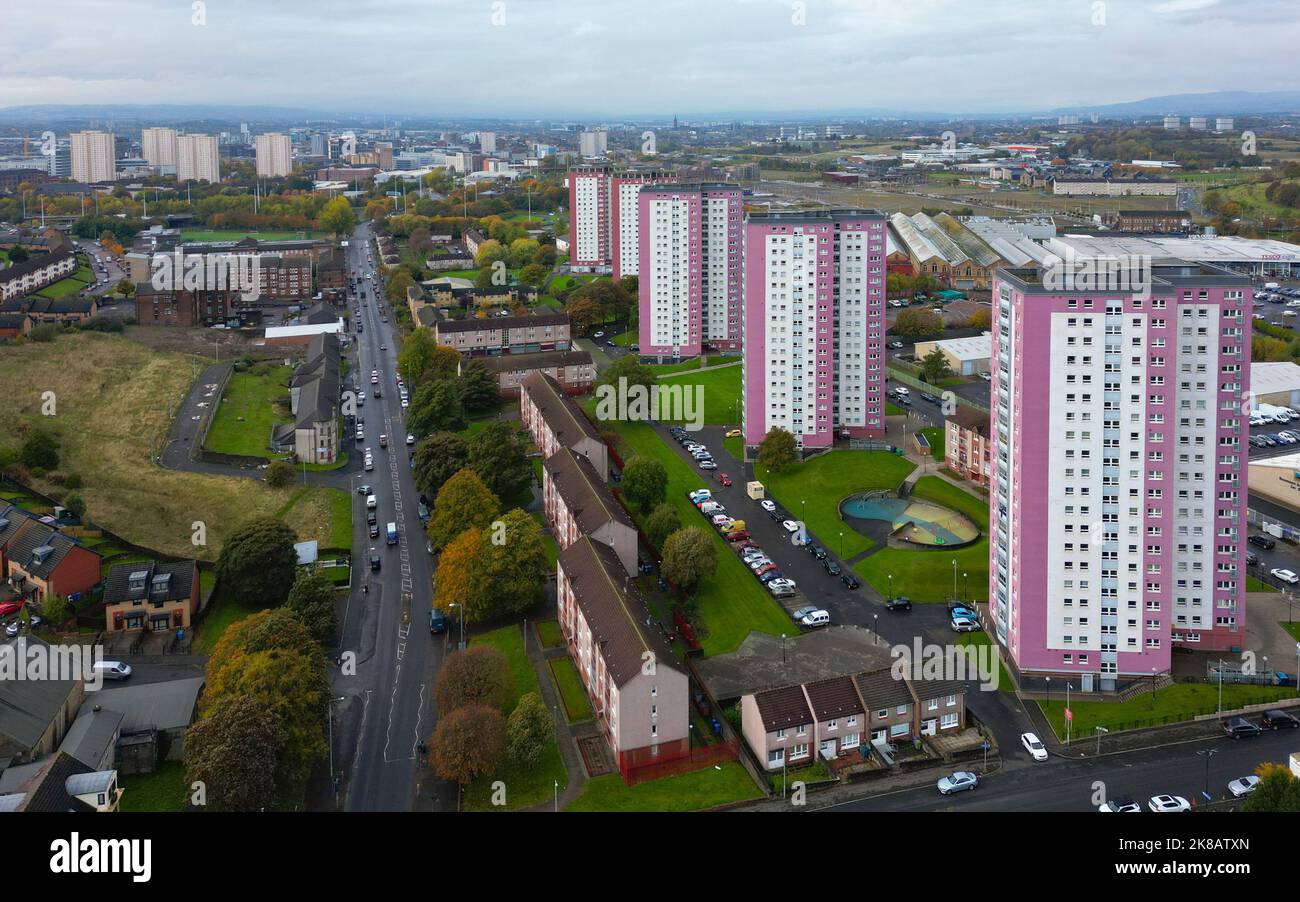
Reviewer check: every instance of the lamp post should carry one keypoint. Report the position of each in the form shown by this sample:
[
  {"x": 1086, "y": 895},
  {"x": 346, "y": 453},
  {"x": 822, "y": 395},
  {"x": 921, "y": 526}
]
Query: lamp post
[
  {"x": 954, "y": 577},
  {"x": 841, "y": 543},
  {"x": 1219, "y": 710},
  {"x": 965, "y": 586},
  {"x": 1207, "y": 754},
  {"x": 1153, "y": 684},
  {"x": 1049, "y": 691},
  {"x": 1100, "y": 730},
  {"x": 876, "y": 627},
  {"x": 460, "y": 646}
]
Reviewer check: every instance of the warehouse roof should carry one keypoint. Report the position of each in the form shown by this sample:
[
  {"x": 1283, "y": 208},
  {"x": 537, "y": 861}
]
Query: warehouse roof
[{"x": 1271, "y": 378}]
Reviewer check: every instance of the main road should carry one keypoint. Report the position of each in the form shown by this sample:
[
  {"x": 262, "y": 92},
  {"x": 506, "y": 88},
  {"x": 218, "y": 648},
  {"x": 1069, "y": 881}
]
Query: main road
[{"x": 389, "y": 698}]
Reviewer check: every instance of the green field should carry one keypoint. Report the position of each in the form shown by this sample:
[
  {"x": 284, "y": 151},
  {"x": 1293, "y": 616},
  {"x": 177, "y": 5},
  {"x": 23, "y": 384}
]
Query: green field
[
  {"x": 576, "y": 707},
  {"x": 927, "y": 576},
  {"x": 525, "y": 786},
  {"x": 936, "y": 436},
  {"x": 699, "y": 789},
  {"x": 824, "y": 481},
  {"x": 162, "y": 790},
  {"x": 1173, "y": 704},
  {"x": 721, "y": 397},
  {"x": 731, "y": 603},
  {"x": 247, "y": 414}
]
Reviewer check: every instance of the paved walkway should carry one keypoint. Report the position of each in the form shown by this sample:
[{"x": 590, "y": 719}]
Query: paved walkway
[
  {"x": 700, "y": 369},
  {"x": 565, "y": 737}
]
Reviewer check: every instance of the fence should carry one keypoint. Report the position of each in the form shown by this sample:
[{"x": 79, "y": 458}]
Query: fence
[
  {"x": 1275, "y": 529},
  {"x": 921, "y": 385}
]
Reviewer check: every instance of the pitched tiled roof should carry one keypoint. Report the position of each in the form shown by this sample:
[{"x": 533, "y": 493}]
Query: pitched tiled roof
[
  {"x": 178, "y": 585},
  {"x": 927, "y": 689},
  {"x": 511, "y": 363},
  {"x": 972, "y": 420},
  {"x": 561, "y": 412},
  {"x": 28, "y": 707},
  {"x": 781, "y": 709},
  {"x": 35, "y": 263},
  {"x": 470, "y": 324},
  {"x": 584, "y": 493},
  {"x": 35, "y": 535},
  {"x": 879, "y": 689},
  {"x": 833, "y": 698},
  {"x": 621, "y": 624}
]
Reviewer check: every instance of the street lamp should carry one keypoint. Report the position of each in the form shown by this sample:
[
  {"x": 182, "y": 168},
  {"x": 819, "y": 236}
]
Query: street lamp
[
  {"x": 965, "y": 586},
  {"x": 460, "y": 646},
  {"x": 1207, "y": 754},
  {"x": 841, "y": 543},
  {"x": 1049, "y": 691},
  {"x": 876, "y": 627},
  {"x": 954, "y": 577},
  {"x": 1100, "y": 730},
  {"x": 1153, "y": 684}
]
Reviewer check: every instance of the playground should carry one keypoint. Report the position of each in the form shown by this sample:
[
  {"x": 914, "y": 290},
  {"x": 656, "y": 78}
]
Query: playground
[{"x": 913, "y": 522}]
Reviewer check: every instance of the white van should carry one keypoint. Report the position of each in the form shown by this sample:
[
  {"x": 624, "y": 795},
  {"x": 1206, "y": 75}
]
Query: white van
[
  {"x": 392, "y": 533},
  {"x": 112, "y": 670},
  {"x": 371, "y": 502},
  {"x": 1271, "y": 286}
]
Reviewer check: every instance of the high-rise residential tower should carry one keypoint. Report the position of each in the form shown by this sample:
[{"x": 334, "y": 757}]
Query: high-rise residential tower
[
  {"x": 690, "y": 268},
  {"x": 813, "y": 325},
  {"x": 197, "y": 159},
  {"x": 1118, "y": 491},
  {"x": 159, "y": 147},
  {"x": 274, "y": 155},
  {"x": 603, "y": 218},
  {"x": 94, "y": 156}
]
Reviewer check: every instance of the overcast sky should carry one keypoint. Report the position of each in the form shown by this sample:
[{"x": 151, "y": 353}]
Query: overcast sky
[{"x": 624, "y": 58}]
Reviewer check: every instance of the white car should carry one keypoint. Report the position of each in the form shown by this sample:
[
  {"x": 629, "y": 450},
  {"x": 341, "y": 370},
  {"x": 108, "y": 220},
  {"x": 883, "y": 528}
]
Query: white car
[
  {"x": 782, "y": 583},
  {"x": 708, "y": 465},
  {"x": 597, "y": 334},
  {"x": 1168, "y": 803},
  {"x": 816, "y": 619},
  {"x": 1243, "y": 786},
  {"x": 961, "y": 780},
  {"x": 964, "y": 625},
  {"x": 767, "y": 504},
  {"x": 1287, "y": 576},
  {"x": 790, "y": 526},
  {"x": 1122, "y": 805},
  {"x": 700, "y": 495},
  {"x": 1034, "y": 746},
  {"x": 721, "y": 520},
  {"x": 410, "y": 438}
]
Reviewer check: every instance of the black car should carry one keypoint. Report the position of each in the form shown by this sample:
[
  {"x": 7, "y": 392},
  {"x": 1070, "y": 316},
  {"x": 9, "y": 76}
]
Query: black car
[
  {"x": 850, "y": 580},
  {"x": 816, "y": 551},
  {"x": 899, "y": 603},
  {"x": 831, "y": 567},
  {"x": 374, "y": 530},
  {"x": 647, "y": 563},
  {"x": 1262, "y": 542},
  {"x": 374, "y": 559},
  {"x": 1241, "y": 728},
  {"x": 1251, "y": 559},
  {"x": 1277, "y": 719},
  {"x": 371, "y": 518},
  {"x": 775, "y": 515},
  {"x": 437, "y": 621}
]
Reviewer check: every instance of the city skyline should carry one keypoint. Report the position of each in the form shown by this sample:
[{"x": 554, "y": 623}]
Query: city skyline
[{"x": 678, "y": 57}]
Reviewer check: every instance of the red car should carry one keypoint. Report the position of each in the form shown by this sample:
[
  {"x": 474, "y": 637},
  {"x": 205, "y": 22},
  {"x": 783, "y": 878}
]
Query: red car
[
  {"x": 738, "y": 536},
  {"x": 10, "y": 607},
  {"x": 766, "y": 568},
  {"x": 724, "y": 479}
]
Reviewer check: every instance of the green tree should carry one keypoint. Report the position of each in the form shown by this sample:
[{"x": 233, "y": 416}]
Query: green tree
[
  {"x": 312, "y": 600},
  {"x": 45, "y": 332},
  {"x": 468, "y": 743},
  {"x": 584, "y": 313},
  {"x": 436, "y": 407},
  {"x": 278, "y": 474},
  {"x": 690, "y": 554},
  {"x": 533, "y": 274},
  {"x": 40, "y": 449},
  {"x": 479, "y": 675},
  {"x": 56, "y": 609},
  {"x": 514, "y": 567},
  {"x": 497, "y": 455},
  {"x": 462, "y": 502},
  {"x": 915, "y": 323},
  {"x": 257, "y": 564},
  {"x": 489, "y": 252},
  {"x": 76, "y": 505},
  {"x": 645, "y": 482},
  {"x": 528, "y": 730},
  {"x": 630, "y": 368},
  {"x": 777, "y": 451},
  {"x": 337, "y": 216},
  {"x": 437, "y": 457},
  {"x": 232, "y": 753},
  {"x": 1278, "y": 790},
  {"x": 478, "y": 387},
  {"x": 662, "y": 522},
  {"x": 417, "y": 355},
  {"x": 934, "y": 367}
]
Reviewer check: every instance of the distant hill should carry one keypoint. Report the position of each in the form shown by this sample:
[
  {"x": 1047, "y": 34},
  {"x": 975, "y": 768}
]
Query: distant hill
[{"x": 1214, "y": 103}]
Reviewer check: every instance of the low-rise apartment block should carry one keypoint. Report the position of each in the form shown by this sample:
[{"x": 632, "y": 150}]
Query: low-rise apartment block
[
  {"x": 578, "y": 503},
  {"x": 555, "y": 421}
]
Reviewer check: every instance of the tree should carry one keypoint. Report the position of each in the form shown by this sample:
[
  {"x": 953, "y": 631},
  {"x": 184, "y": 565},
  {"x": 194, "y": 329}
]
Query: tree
[
  {"x": 56, "y": 609},
  {"x": 916, "y": 323},
  {"x": 934, "y": 366},
  {"x": 468, "y": 743},
  {"x": 232, "y": 753},
  {"x": 437, "y": 457},
  {"x": 271, "y": 657},
  {"x": 528, "y": 730},
  {"x": 584, "y": 313},
  {"x": 436, "y": 407},
  {"x": 415, "y": 359},
  {"x": 645, "y": 482},
  {"x": 312, "y": 600},
  {"x": 497, "y": 455},
  {"x": 1278, "y": 790},
  {"x": 463, "y": 502},
  {"x": 478, "y": 387},
  {"x": 40, "y": 449},
  {"x": 76, "y": 505},
  {"x": 514, "y": 568},
  {"x": 486, "y": 278},
  {"x": 489, "y": 252},
  {"x": 533, "y": 274},
  {"x": 981, "y": 319},
  {"x": 126, "y": 288},
  {"x": 628, "y": 367},
  {"x": 258, "y": 565},
  {"x": 396, "y": 284},
  {"x": 337, "y": 216},
  {"x": 279, "y": 473},
  {"x": 479, "y": 675},
  {"x": 690, "y": 554},
  {"x": 777, "y": 451},
  {"x": 461, "y": 574},
  {"x": 662, "y": 522}
]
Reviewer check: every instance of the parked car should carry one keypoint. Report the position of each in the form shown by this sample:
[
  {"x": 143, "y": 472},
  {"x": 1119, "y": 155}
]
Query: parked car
[
  {"x": 113, "y": 670},
  {"x": 898, "y": 603},
  {"x": 724, "y": 479},
  {"x": 737, "y": 535},
  {"x": 1243, "y": 786},
  {"x": 1286, "y": 576},
  {"x": 779, "y": 589},
  {"x": 831, "y": 567},
  {"x": 767, "y": 504},
  {"x": 437, "y": 621},
  {"x": 957, "y": 782},
  {"x": 1123, "y": 805},
  {"x": 816, "y": 551},
  {"x": 770, "y": 575},
  {"x": 850, "y": 581},
  {"x": 1277, "y": 719},
  {"x": 1260, "y": 541},
  {"x": 708, "y": 465},
  {"x": 803, "y": 612},
  {"x": 816, "y": 619},
  {"x": 1034, "y": 746},
  {"x": 964, "y": 625},
  {"x": 1168, "y": 803},
  {"x": 1240, "y": 728},
  {"x": 789, "y": 526},
  {"x": 11, "y": 607},
  {"x": 734, "y": 433}
]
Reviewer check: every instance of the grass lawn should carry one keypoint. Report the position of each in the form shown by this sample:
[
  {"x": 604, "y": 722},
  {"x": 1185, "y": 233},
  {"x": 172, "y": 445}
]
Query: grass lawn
[
  {"x": 731, "y": 603},
  {"x": 926, "y": 576},
  {"x": 340, "y": 503},
  {"x": 667, "y": 369},
  {"x": 893, "y": 410},
  {"x": 735, "y": 446},
  {"x": 247, "y": 413},
  {"x": 525, "y": 786},
  {"x": 576, "y": 707},
  {"x": 721, "y": 393},
  {"x": 221, "y": 613},
  {"x": 624, "y": 339},
  {"x": 825, "y": 481},
  {"x": 162, "y": 790},
  {"x": 549, "y": 631},
  {"x": 1179, "y": 702},
  {"x": 981, "y": 638},
  {"x": 62, "y": 288},
  {"x": 114, "y": 399},
  {"x": 936, "y": 436},
  {"x": 1293, "y": 628},
  {"x": 686, "y": 792},
  {"x": 1254, "y": 584},
  {"x": 552, "y": 546}
]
